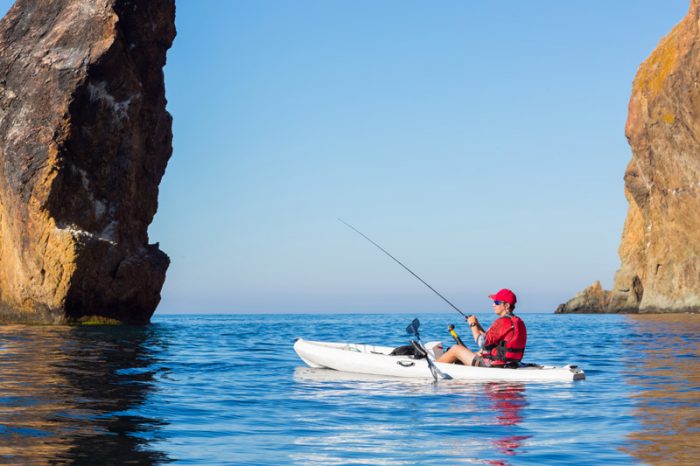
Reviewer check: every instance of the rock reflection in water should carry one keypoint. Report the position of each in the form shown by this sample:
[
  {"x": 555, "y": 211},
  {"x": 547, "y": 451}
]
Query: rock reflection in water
[
  {"x": 66, "y": 393},
  {"x": 668, "y": 382}
]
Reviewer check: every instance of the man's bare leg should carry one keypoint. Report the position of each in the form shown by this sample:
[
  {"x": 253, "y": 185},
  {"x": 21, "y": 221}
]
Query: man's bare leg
[{"x": 458, "y": 352}]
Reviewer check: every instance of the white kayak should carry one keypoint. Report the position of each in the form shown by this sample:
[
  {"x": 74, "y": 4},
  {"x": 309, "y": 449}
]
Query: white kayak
[{"x": 376, "y": 360}]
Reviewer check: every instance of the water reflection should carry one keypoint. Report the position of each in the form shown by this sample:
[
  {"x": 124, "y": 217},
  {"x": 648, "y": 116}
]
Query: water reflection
[
  {"x": 507, "y": 403},
  {"x": 66, "y": 392},
  {"x": 448, "y": 419},
  {"x": 667, "y": 399}
]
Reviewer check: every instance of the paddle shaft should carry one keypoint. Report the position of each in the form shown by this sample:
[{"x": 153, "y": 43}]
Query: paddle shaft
[
  {"x": 437, "y": 373},
  {"x": 402, "y": 265},
  {"x": 412, "y": 329}
]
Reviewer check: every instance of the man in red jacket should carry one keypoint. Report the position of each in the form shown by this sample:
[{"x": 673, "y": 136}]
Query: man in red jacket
[{"x": 504, "y": 343}]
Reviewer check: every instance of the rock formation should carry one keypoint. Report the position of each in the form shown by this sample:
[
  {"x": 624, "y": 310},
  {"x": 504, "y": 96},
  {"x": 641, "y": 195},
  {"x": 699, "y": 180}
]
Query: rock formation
[
  {"x": 85, "y": 139},
  {"x": 660, "y": 249}
]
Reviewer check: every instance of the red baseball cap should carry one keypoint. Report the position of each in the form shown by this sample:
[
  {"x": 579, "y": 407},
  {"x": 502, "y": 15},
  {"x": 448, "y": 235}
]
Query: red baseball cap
[{"x": 504, "y": 295}]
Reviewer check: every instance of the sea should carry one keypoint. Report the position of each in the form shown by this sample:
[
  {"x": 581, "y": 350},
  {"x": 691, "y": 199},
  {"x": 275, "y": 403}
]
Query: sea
[{"x": 229, "y": 389}]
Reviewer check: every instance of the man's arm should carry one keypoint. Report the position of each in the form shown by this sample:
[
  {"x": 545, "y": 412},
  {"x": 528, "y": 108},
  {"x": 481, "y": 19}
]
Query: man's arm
[{"x": 477, "y": 331}]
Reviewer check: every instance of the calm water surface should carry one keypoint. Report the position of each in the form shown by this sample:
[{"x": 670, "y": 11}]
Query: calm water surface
[{"x": 230, "y": 390}]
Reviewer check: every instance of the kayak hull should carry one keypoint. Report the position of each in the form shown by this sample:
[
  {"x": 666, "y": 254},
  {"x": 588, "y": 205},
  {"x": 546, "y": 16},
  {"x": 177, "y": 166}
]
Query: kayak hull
[{"x": 375, "y": 360}]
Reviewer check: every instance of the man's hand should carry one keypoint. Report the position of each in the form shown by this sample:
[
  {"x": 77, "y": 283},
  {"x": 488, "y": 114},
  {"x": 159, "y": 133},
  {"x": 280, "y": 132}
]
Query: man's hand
[{"x": 472, "y": 321}]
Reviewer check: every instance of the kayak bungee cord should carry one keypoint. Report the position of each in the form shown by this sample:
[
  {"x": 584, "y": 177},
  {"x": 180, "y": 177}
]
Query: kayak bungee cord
[{"x": 402, "y": 265}]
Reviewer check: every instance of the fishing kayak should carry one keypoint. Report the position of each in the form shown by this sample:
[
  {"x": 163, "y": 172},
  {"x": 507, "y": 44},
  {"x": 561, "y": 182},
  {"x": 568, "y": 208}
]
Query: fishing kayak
[{"x": 377, "y": 360}]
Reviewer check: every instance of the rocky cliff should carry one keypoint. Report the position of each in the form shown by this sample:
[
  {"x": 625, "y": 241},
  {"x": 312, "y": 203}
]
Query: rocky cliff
[
  {"x": 85, "y": 139},
  {"x": 660, "y": 249}
]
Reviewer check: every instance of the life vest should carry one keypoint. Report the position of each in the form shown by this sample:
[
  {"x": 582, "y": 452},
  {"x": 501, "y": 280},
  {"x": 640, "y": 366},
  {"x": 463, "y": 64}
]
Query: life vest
[{"x": 510, "y": 348}]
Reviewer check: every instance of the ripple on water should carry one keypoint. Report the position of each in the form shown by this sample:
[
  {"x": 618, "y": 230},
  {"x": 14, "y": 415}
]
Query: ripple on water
[{"x": 230, "y": 390}]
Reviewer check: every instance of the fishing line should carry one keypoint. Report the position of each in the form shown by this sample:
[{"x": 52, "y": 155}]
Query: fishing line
[{"x": 402, "y": 265}]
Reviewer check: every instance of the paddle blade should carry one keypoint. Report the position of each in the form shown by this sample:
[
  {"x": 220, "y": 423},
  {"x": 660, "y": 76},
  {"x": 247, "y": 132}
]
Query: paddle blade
[
  {"x": 437, "y": 373},
  {"x": 412, "y": 328}
]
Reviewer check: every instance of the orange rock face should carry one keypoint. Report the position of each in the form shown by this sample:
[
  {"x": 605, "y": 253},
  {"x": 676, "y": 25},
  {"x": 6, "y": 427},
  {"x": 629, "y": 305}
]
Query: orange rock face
[
  {"x": 660, "y": 249},
  {"x": 85, "y": 142}
]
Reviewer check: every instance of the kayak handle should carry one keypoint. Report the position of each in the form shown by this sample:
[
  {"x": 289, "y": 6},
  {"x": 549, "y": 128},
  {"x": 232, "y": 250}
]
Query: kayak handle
[{"x": 458, "y": 340}]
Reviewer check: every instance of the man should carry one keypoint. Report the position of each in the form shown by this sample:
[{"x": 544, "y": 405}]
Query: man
[{"x": 504, "y": 343}]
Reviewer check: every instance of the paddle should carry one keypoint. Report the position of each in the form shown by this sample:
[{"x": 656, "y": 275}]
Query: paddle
[{"x": 412, "y": 329}]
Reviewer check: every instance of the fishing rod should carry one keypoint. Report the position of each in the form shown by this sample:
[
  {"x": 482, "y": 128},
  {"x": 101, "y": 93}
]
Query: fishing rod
[
  {"x": 402, "y": 265},
  {"x": 451, "y": 329}
]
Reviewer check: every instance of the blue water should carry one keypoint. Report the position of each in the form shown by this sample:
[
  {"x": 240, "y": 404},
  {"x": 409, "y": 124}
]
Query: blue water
[{"x": 229, "y": 389}]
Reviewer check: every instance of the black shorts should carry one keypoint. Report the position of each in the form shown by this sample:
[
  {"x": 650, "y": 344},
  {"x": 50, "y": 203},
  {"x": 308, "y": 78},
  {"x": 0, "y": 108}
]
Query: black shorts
[{"x": 479, "y": 361}]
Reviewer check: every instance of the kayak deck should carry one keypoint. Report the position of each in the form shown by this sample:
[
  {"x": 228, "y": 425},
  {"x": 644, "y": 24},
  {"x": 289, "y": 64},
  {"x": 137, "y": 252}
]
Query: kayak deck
[{"x": 376, "y": 360}]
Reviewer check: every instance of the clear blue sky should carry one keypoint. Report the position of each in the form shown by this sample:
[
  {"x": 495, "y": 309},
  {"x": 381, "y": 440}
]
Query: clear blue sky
[{"x": 482, "y": 143}]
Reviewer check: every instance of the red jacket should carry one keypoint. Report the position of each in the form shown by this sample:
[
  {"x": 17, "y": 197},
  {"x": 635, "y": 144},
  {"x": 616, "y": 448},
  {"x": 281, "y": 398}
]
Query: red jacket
[{"x": 505, "y": 340}]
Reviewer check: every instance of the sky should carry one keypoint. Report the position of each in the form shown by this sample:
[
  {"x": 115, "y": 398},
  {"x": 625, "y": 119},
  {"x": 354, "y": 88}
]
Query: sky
[{"x": 481, "y": 143}]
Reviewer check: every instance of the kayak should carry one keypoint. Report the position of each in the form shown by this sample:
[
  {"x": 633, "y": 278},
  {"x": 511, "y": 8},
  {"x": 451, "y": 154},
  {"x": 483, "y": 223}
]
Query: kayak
[{"x": 377, "y": 360}]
